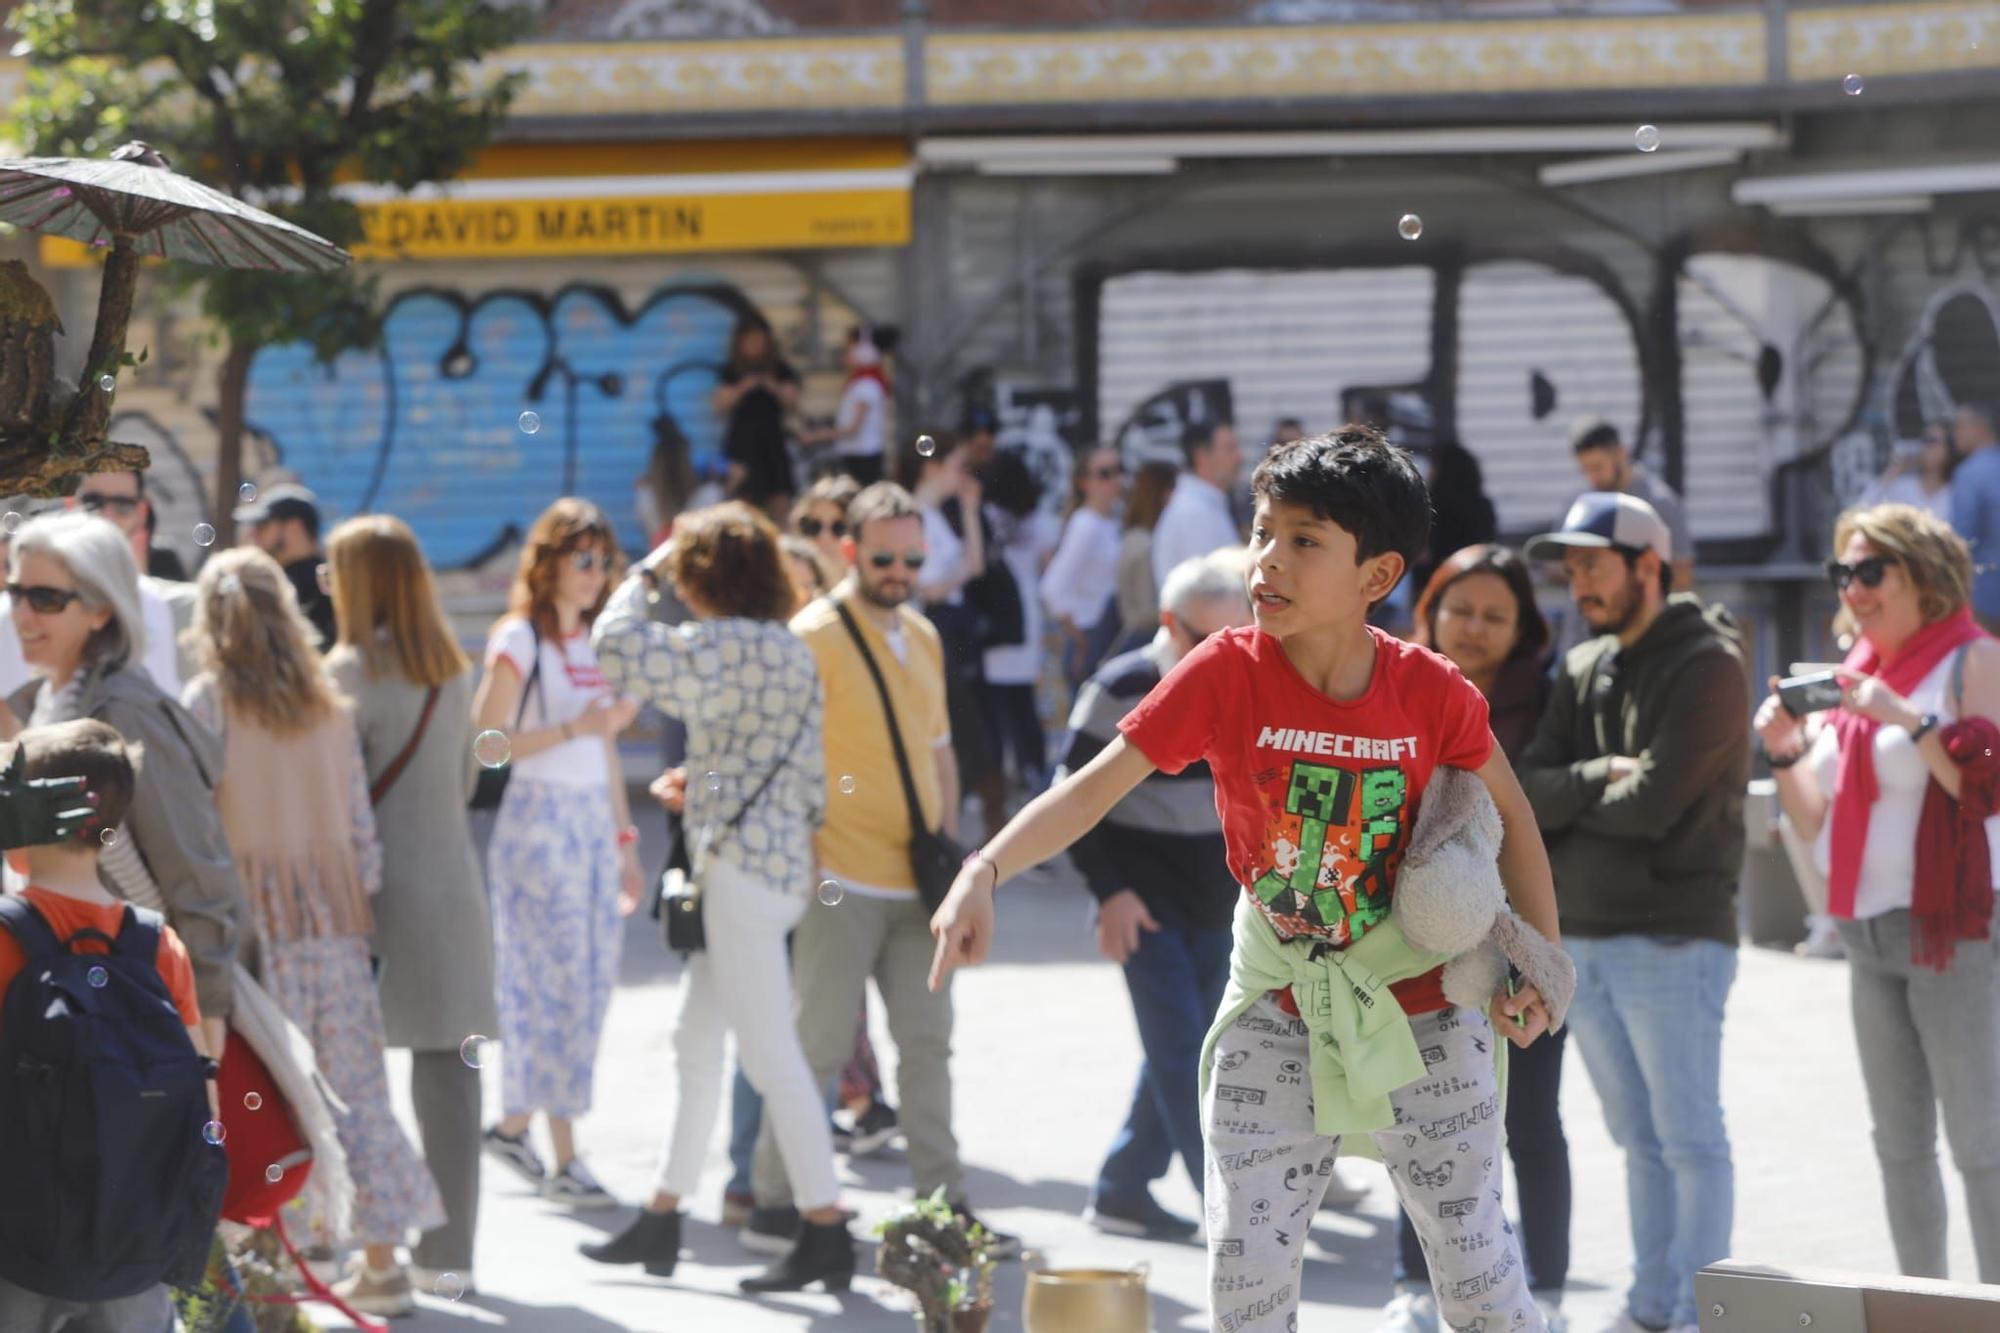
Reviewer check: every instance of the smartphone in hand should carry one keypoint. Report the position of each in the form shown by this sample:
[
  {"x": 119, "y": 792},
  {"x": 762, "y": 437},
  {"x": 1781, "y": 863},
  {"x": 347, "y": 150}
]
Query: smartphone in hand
[{"x": 1814, "y": 693}]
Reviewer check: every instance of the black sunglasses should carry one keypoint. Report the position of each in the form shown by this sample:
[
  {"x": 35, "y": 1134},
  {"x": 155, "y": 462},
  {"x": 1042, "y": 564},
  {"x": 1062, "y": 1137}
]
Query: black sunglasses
[
  {"x": 884, "y": 559},
  {"x": 43, "y": 599},
  {"x": 812, "y": 527},
  {"x": 1868, "y": 573},
  {"x": 117, "y": 504}
]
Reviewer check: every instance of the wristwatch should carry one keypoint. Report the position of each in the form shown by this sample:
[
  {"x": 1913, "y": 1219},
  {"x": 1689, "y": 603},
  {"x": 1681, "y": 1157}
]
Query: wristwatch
[{"x": 1923, "y": 727}]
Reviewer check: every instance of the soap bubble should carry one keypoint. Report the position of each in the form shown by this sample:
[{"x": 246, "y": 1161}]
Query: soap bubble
[
  {"x": 530, "y": 422},
  {"x": 253, "y": 1101},
  {"x": 831, "y": 891},
  {"x": 109, "y": 837},
  {"x": 491, "y": 749},
  {"x": 926, "y": 446},
  {"x": 106, "y": 383},
  {"x": 450, "y": 1286},
  {"x": 204, "y": 535},
  {"x": 247, "y": 492},
  {"x": 474, "y": 1050},
  {"x": 1646, "y": 138},
  {"x": 274, "y": 1173},
  {"x": 713, "y": 781},
  {"x": 1409, "y": 226},
  {"x": 10, "y": 522},
  {"x": 847, "y": 784},
  {"x": 98, "y": 978},
  {"x": 1852, "y": 85},
  {"x": 213, "y": 1133}
]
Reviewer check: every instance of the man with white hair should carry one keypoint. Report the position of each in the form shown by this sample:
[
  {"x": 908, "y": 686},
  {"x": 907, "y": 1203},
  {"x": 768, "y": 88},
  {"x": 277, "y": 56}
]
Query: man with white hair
[{"x": 1160, "y": 873}]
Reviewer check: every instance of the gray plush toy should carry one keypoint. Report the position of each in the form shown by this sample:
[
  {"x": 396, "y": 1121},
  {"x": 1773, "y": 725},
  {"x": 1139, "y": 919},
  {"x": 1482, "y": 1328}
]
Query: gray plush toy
[{"x": 1449, "y": 899}]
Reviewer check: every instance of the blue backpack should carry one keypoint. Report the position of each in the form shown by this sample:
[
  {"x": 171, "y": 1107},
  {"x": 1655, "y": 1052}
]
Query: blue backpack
[{"x": 111, "y": 1186}]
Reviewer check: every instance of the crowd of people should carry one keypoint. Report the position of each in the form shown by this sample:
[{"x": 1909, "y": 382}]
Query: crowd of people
[{"x": 1335, "y": 862}]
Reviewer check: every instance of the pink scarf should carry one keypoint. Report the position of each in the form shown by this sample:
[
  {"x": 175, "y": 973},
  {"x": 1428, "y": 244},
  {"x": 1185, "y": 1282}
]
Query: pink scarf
[{"x": 1854, "y": 786}]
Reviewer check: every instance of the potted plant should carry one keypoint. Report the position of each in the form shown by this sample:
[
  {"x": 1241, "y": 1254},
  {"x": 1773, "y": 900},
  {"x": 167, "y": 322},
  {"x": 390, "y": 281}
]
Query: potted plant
[{"x": 942, "y": 1260}]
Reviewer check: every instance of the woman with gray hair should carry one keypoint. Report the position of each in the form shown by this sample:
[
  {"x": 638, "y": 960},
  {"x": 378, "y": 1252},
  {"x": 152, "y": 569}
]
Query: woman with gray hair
[{"x": 74, "y": 590}]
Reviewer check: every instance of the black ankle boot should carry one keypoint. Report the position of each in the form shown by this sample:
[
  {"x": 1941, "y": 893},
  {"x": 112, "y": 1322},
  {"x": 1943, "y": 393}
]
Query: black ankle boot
[
  {"x": 651, "y": 1239},
  {"x": 824, "y": 1253}
]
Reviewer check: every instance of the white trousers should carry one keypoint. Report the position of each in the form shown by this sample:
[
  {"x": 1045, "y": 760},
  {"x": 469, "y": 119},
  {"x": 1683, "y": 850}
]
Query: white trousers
[{"x": 742, "y": 984}]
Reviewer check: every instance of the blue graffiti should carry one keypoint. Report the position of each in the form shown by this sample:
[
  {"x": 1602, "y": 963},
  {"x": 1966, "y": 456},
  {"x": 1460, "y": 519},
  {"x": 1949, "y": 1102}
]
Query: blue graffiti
[{"x": 429, "y": 426}]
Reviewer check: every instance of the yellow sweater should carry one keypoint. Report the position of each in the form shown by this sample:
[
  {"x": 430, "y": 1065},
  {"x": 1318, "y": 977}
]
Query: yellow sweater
[{"x": 866, "y": 837}]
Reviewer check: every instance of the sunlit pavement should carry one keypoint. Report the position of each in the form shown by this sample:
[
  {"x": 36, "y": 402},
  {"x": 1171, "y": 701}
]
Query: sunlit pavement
[{"x": 1046, "y": 1052}]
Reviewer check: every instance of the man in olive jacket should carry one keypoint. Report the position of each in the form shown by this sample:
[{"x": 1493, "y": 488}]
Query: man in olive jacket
[{"x": 1637, "y": 775}]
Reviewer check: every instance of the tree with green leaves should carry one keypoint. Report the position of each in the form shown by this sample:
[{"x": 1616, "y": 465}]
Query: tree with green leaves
[{"x": 278, "y": 103}]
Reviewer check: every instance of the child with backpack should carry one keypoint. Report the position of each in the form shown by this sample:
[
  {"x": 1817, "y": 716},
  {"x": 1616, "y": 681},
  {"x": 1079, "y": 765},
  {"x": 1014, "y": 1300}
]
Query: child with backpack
[
  {"x": 109, "y": 1139},
  {"x": 1344, "y": 1026}
]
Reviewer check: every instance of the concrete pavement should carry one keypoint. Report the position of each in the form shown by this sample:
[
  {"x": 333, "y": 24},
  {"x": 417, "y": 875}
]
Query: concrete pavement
[{"x": 1046, "y": 1054}]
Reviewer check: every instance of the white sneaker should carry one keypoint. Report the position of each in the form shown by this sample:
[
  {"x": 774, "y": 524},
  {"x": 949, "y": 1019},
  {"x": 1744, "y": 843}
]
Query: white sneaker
[
  {"x": 1410, "y": 1312},
  {"x": 1552, "y": 1315},
  {"x": 574, "y": 1187}
]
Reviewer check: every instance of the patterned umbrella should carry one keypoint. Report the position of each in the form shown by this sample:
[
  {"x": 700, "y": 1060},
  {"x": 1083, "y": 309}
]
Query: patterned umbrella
[
  {"x": 134, "y": 207},
  {"x": 133, "y": 198}
]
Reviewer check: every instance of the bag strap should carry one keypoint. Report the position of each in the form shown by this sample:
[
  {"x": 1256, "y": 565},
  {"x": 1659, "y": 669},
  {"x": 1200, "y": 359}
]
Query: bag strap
[
  {"x": 797, "y": 734},
  {"x": 1958, "y": 680},
  {"x": 534, "y": 680},
  {"x": 19, "y": 917},
  {"x": 139, "y": 935},
  {"x": 917, "y": 820},
  {"x": 388, "y": 776}
]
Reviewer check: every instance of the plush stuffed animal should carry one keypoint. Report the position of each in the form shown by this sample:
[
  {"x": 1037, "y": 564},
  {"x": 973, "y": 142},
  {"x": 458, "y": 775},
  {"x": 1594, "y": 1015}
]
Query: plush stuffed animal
[{"x": 1449, "y": 899}]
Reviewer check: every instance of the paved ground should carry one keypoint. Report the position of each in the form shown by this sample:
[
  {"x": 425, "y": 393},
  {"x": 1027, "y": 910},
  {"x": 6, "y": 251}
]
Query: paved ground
[{"x": 1045, "y": 1054}]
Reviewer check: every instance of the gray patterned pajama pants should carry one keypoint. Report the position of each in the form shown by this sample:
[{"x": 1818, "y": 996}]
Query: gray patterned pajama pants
[{"x": 1267, "y": 1170}]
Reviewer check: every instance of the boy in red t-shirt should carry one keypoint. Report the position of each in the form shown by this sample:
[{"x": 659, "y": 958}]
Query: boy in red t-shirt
[
  {"x": 64, "y": 888},
  {"x": 1322, "y": 734}
]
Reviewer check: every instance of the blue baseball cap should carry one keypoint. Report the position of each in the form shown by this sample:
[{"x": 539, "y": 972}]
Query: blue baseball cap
[{"x": 1606, "y": 518}]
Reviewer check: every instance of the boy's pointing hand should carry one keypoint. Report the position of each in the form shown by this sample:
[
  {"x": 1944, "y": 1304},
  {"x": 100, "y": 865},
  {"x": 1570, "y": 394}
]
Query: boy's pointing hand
[{"x": 963, "y": 924}]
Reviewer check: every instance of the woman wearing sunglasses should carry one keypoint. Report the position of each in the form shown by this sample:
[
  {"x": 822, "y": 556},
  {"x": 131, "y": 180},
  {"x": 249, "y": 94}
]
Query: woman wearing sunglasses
[
  {"x": 74, "y": 597},
  {"x": 821, "y": 515},
  {"x": 563, "y": 864},
  {"x": 1080, "y": 586},
  {"x": 1896, "y": 790}
]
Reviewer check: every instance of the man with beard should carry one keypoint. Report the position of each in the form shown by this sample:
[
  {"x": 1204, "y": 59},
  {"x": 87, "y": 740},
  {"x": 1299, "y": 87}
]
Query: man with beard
[
  {"x": 867, "y": 919},
  {"x": 1637, "y": 774}
]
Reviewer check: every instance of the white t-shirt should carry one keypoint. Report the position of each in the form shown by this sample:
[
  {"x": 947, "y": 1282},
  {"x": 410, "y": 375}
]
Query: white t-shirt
[
  {"x": 944, "y": 558},
  {"x": 866, "y": 442},
  {"x": 1196, "y": 522},
  {"x": 1027, "y": 540},
  {"x": 1082, "y": 579},
  {"x": 568, "y": 685}
]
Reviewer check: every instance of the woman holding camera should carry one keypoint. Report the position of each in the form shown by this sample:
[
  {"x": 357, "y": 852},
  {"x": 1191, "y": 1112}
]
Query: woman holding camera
[
  {"x": 749, "y": 692},
  {"x": 1896, "y": 789}
]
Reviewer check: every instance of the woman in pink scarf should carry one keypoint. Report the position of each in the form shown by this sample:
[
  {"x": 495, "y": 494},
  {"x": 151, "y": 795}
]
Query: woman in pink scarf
[{"x": 1896, "y": 789}]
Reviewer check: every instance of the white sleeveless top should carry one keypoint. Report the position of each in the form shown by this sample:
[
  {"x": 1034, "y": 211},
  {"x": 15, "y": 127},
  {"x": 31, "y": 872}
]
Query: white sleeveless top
[{"x": 1889, "y": 861}]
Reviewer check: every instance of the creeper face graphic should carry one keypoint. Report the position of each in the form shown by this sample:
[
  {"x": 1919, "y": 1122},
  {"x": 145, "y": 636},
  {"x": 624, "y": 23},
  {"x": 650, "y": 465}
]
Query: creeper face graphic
[{"x": 1363, "y": 810}]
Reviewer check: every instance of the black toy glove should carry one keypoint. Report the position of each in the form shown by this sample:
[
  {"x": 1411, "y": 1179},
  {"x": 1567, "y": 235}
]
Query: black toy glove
[{"x": 41, "y": 810}]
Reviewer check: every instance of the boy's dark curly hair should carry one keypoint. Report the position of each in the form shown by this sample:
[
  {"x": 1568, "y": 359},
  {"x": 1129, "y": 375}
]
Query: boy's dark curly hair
[{"x": 1355, "y": 478}]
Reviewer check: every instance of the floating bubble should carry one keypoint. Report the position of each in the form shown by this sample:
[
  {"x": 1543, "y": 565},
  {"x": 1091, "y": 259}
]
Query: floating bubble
[
  {"x": 98, "y": 978},
  {"x": 491, "y": 749},
  {"x": 204, "y": 535},
  {"x": 847, "y": 784},
  {"x": 713, "y": 781},
  {"x": 474, "y": 1051},
  {"x": 109, "y": 837},
  {"x": 10, "y": 522},
  {"x": 926, "y": 446},
  {"x": 450, "y": 1286},
  {"x": 253, "y": 1101},
  {"x": 1646, "y": 138},
  {"x": 274, "y": 1173},
  {"x": 247, "y": 492},
  {"x": 106, "y": 383},
  {"x": 1409, "y": 226},
  {"x": 530, "y": 422},
  {"x": 831, "y": 891},
  {"x": 1852, "y": 85},
  {"x": 213, "y": 1133}
]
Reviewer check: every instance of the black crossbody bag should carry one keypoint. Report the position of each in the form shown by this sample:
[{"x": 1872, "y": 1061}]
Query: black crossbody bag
[
  {"x": 680, "y": 907},
  {"x": 934, "y": 858},
  {"x": 492, "y": 784}
]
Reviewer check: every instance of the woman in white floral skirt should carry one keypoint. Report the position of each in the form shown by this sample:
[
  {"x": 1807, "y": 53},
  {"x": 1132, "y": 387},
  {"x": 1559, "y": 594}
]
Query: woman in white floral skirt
[
  {"x": 749, "y": 692},
  {"x": 294, "y": 802},
  {"x": 563, "y": 864}
]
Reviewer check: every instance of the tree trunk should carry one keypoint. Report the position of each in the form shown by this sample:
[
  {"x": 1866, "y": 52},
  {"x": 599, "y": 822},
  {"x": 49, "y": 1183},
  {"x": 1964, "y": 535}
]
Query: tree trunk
[{"x": 232, "y": 381}]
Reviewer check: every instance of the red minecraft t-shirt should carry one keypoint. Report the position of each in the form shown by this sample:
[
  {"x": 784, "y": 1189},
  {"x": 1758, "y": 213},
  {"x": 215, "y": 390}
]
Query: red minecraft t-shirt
[{"x": 1317, "y": 795}]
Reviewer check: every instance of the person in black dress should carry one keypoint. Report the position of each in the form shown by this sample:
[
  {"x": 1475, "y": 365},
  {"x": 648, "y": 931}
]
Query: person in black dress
[{"x": 754, "y": 393}]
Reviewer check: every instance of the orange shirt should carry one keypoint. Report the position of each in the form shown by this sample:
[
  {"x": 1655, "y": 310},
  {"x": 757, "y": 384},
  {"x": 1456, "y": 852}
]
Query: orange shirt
[{"x": 66, "y": 916}]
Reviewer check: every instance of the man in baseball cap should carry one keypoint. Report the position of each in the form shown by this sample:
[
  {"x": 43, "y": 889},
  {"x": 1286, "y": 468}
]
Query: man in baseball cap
[
  {"x": 1637, "y": 774},
  {"x": 284, "y": 522}
]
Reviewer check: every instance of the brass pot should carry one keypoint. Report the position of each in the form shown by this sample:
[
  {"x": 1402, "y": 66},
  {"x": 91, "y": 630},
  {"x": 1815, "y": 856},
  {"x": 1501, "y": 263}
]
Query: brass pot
[{"x": 1088, "y": 1300}]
